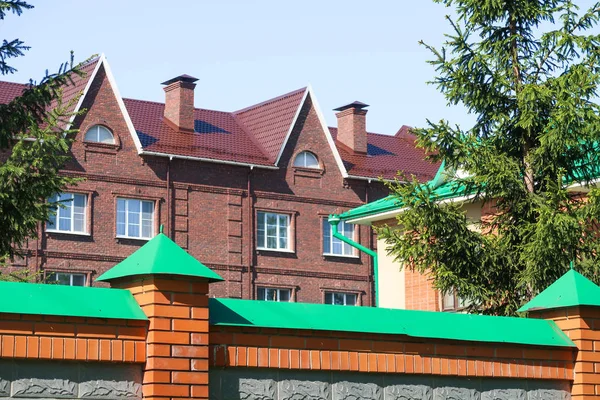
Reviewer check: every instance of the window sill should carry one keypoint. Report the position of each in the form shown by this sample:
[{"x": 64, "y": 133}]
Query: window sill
[
  {"x": 326, "y": 255},
  {"x": 275, "y": 250},
  {"x": 132, "y": 238},
  {"x": 55, "y": 231}
]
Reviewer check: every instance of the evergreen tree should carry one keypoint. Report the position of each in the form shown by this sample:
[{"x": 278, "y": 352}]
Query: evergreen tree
[
  {"x": 34, "y": 144},
  {"x": 528, "y": 70}
]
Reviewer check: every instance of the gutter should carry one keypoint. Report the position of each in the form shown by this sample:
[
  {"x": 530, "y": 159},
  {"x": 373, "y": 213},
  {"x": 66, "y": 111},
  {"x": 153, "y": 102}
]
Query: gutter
[
  {"x": 210, "y": 160},
  {"x": 334, "y": 221}
]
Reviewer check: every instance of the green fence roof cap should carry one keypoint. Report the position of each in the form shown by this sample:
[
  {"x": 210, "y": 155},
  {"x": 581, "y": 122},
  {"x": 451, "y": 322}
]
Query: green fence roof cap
[
  {"x": 570, "y": 290},
  {"x": 418, "y": 324},
  {"x": 160, "y": 256},
  {"x": 68, "y": 301}
]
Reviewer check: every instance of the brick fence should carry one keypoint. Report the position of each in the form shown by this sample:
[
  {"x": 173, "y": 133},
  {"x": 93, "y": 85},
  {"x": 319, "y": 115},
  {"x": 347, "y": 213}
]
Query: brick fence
[{"x": 181, "y": 355}]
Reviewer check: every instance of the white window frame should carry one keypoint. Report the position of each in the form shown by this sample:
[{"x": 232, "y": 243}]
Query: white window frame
[
  {"x": 345, "y": 294},
  {"x": 97, "y": 127},
  {"x": 342, "y": 224},
  {"x": 298, "y": 159},
  {"x": 278, "y": 291},
  {"x": 71, "y": 275},
  {"x": 263, "y": 246},
  {"x": 152, "y": 222},
  {"x": 59, "y": 210}
]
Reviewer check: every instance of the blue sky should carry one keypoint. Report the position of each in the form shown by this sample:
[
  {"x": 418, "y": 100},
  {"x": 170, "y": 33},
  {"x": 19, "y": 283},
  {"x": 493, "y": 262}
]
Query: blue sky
[{"x": 245, "y": 52}]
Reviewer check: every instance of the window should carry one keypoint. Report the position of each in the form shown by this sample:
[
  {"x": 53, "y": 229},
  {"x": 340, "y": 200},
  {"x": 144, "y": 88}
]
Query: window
[
  {"x": 273, "y": 231},
  {"x": 99, "y": 134},
  {"x": 66, "y": 278},
  {"x": 341, "y": 299},
  {"x": 333, "y": 245},
  {"x": 70, "y": 213},
  {"x": 272, "y": 294},
  {"x": 452, "y": 302},
  {"x": 135, "y": 218},
  {"x": 306, "y": 159}
]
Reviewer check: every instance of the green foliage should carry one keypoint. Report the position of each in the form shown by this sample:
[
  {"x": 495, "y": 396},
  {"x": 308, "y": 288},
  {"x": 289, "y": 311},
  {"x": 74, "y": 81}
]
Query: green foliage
[
  {"x": 34, "y": 144},
  {"x": 529, "y": 71}
]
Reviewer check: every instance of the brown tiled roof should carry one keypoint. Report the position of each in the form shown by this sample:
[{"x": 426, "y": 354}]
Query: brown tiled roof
[
  {"x": 10, "y": 90},
  {"x": 270, "y": 121},
  {"x": 253, "y": 135},
  {"x": 217, "y": 135},
  {"x": 386, "y": 155}
]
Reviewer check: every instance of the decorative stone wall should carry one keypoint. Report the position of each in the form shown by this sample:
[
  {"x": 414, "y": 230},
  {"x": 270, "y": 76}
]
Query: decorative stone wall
[
  {"x": 269, "y": 384},
  {"x": 54, "y": 380}
]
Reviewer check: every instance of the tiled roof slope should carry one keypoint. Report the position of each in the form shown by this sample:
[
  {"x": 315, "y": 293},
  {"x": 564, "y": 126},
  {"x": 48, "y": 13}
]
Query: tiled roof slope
[
  {"x": 254, "y": 135},
  {"x": 270, "y": 121},
  {"x": 10, "y": 90},
  {"x": 386, "y": 155},
  {"x": 217, "y": 135}
]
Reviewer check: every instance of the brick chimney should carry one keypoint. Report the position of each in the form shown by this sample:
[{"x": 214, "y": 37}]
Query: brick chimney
[
  {"x": 179, "y": 102},
  {"x": 352, "y": 126}
]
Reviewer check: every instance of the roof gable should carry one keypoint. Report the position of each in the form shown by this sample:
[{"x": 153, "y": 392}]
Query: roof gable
[{"x": 272, "y": 121}]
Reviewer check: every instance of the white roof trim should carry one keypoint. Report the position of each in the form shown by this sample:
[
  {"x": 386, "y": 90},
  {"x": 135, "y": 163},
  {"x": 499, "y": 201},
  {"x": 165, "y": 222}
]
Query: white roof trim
[
  {"x": 211, "y": 160},
  {"x": 334, "y": 150},
  {"x": 115, "y": 89},
  {"x": 289, "y": 132},
  {"x": 84, "y": 93}
]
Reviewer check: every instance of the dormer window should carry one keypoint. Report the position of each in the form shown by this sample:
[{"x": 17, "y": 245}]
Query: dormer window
[
  {"x": 99, "y": 134},
  {"x": 306, "y": 159}
]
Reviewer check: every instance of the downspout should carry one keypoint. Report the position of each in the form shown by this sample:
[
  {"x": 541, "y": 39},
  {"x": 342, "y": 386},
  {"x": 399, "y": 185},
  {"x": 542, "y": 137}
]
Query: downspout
[
  {"x": 169, "y": 211},
  {"x": 334, "y": 221},
  {"x": 250, "y": 235}
]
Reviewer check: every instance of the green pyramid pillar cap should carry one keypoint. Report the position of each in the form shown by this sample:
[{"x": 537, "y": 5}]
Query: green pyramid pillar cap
[
  {"x": 157, "y": 257},
  {"x": 570, "y": 290}
]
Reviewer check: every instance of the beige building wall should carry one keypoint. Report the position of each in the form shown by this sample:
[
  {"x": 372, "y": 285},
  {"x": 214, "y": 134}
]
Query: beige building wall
[{"x": 392, "y": 285}]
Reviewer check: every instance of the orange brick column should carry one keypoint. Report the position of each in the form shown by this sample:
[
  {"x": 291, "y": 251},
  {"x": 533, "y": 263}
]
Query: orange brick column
[
  {"x": 177, "y": 344},
  {"x": 582, "y": 325}
]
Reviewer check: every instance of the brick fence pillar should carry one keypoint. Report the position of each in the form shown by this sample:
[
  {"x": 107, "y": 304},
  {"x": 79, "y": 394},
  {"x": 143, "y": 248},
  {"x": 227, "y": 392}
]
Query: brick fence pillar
[
  {"x": 177, "y": 343},
  {"x": 172, "y": 288},
  {"x": 573, "y": 303}
]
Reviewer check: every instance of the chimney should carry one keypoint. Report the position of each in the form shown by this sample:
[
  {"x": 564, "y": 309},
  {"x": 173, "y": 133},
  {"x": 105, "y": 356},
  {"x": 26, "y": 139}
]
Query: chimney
[
  {"x": 352, "y": 126},
  {"x": 179, "y": 102}
]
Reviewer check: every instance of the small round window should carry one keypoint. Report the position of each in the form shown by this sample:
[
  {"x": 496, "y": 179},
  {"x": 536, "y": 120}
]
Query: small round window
[
  {"x": 306, "y": 159},
  {"x": 99, "y": 134}
]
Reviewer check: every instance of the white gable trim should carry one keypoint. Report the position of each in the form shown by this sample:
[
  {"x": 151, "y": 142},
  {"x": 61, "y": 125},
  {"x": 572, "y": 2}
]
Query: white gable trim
[
  {"x": 336, "y": 154},
  {"x": 84, "y": 93},
  {"x": 289, "y": 132},
  {"x": 115, "y": 89}
]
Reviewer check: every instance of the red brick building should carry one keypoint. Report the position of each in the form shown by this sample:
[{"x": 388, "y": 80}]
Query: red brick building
[{"x": 245, "y": 192}]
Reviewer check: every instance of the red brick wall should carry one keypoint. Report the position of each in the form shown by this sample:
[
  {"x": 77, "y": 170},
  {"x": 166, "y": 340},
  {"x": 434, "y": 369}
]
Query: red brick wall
[
  {"x": 343, "y": 351},
  {"x": 210, "y": 214}
]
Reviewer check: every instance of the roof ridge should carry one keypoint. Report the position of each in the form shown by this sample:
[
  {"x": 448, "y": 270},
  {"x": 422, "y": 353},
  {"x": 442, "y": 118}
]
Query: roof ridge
[{"x": 293, "y": 92}]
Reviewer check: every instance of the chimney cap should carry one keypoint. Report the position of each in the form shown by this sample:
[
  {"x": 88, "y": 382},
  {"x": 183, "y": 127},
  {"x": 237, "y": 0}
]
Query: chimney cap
[
  {"x": 355, "y": 104},
  {"x": 182, "y": 78}
]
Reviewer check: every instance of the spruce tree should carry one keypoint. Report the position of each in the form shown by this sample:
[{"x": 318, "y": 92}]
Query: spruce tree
[
  {"x": 34, "y": 144},
  {"x": 528, "y": 70}
]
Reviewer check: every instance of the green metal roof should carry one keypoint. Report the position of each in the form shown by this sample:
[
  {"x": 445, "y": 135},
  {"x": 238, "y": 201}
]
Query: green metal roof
[
  {"x": 68, "y": 301},
  {"x": 160, "y": 255},
  {"x": 418, "y": 324},
  {"x": 447, "y": 190},
  {"x": 570, "y": 290}
]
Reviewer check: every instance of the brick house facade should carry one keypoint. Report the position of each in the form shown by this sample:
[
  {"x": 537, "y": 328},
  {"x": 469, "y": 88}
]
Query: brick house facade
[{"x": 209, "y": 176}]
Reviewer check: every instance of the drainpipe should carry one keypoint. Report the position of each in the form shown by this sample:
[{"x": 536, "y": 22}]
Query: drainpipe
[{"x": 334, "y": 221}]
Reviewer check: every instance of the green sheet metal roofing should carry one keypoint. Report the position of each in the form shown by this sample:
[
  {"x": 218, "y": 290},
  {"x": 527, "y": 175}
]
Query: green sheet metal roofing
[
  {"x": 68, "y": 301},
  {"x": 160, "y": 256},
  {"x": 417, "y": 324},
  {"x": 570, "y": 290},
  {"x": 447, "y": 190}
]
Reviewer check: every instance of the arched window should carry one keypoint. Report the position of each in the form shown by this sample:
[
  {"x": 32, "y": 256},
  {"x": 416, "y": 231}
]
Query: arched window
[
  {"x": 99, "y": 134},
  {"x": 306, "y": 159}
]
